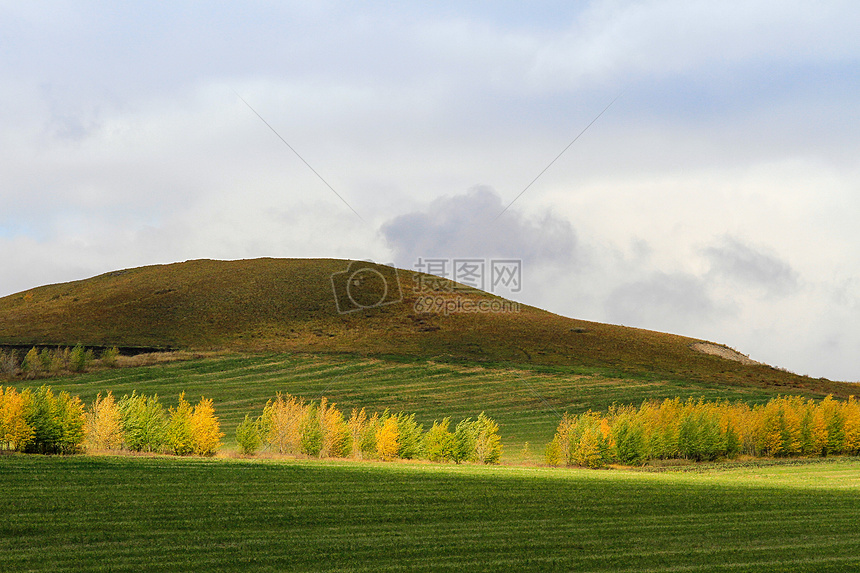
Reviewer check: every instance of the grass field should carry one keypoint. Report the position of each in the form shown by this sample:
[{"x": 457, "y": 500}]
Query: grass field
[
  {"x": 170, "y": 514},
  {"x": 526, "y": 401}
]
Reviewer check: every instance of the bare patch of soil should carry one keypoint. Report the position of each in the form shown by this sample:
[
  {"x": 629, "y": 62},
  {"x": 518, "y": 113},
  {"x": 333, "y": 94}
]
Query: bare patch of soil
[{"x": 723, "y": 352}]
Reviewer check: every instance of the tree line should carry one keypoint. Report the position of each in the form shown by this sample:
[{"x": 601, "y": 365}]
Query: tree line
[
  {"x": 41, "y": 421},
  {"x": 703, "y": 430},
  {"x": 290, "y": 425},
  {"x": 53, "y": 362}
]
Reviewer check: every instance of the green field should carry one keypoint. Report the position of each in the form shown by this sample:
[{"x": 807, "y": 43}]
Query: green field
[
  {"x": 172, "y": 514},
  {"x": 526, "y": 401}
]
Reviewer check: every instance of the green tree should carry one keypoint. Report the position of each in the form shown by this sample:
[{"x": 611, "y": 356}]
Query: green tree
[
  {"x": 180, "y": 439},
  {"x": 144, "y": 423},
  {"x": 57, "y": 421},
  {"x": 629, "y": 437},
  {"x": 410, "y": 436},
  {"x": 248, "y": 435},
  {"x": 80, "y": 358},
  {"x": 465, "y": 438},
  {"x": 109, "y": 357},
  {"x": 439, "y": 441},
  {"x": 32, "y": 364},
  {"x": 311, "y": 433},
  {"x": 488, "y": 443}
]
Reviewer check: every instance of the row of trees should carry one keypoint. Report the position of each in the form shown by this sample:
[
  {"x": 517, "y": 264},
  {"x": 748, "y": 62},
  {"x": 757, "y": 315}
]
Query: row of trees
[
  {"x": 291, "y": 425},
  {"x": 700, "y": 430},
  {"x": 39, "y": 421},
  {"x": 52, "y": 362}
]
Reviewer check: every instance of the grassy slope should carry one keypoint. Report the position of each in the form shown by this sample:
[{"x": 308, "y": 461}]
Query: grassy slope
[
  {"x": 526, "y": 401},
  {"x": 289, "y": 305},
  {"x": 159, "y": 514}
]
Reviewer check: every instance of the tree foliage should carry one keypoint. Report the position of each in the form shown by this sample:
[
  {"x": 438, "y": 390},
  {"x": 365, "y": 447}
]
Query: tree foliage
[
  {"x": 699, "y": 430},
  {"x": 104, "y": 424}
]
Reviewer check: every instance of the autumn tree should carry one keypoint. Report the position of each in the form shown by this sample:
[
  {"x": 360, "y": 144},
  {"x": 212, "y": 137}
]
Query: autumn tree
[
  {"x": 336, "y": 433},
  {"x": 104, "y": 424},
  {"x": 205, "y": 429},
  {"x": 357, "y": 425},
  {"x": 281, "y": 423},
  {"x": 387, "y": 443},
  {"x": 15, "y": 432}
]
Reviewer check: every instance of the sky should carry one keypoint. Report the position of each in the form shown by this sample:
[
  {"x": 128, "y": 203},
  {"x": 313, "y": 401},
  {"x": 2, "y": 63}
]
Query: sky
[{"x": 711, "y": 189}]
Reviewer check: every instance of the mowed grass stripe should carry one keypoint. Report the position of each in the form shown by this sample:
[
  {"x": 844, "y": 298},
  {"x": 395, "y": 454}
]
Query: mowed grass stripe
[{"x": 122, "y": 513}]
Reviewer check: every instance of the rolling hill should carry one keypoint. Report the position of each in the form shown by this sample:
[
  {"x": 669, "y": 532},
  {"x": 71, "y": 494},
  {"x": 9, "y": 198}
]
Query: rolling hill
[{"x": 291, "y": 305}]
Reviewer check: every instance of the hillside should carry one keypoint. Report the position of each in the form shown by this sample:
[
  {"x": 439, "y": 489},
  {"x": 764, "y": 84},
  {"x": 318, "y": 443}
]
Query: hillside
[{"x": 290, "y": 305}]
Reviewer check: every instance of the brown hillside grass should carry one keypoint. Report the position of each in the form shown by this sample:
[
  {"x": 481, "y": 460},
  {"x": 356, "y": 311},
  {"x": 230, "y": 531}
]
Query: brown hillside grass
[{"x": 289, "y": 305}]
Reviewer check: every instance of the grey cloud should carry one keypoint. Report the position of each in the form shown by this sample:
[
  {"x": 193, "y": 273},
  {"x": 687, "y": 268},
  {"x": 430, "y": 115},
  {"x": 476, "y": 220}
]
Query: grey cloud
[
  {"x": 672, "y": 302},
  {"x": 740, "y": 263},
  {"x": 464, "y": 226}
]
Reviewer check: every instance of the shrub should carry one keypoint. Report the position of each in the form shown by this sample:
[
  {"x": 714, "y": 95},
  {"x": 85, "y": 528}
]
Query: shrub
[{"x": 553, "y": 453}]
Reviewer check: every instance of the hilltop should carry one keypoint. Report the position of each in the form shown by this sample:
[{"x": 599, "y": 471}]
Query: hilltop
[{"x": 277, "y": 305}]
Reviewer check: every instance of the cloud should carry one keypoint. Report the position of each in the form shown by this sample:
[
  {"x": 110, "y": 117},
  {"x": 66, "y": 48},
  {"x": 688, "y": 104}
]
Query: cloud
[
  {"x": 675, "y": 302},
  {"x": 739, "y": 263},
  {"x": 465, "y": 225}
]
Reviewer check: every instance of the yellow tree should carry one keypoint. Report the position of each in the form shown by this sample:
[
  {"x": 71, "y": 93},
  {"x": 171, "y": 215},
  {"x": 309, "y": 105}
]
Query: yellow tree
[
  {"x": 357, "y": 426},
  {"x": 336, "y": 434},
  {"x": 851, "y": 411},
  {"x": 104, "y": 424},
  {"x": 205, "y": 429},
  {"x": 14, "y": 430},
  {"x": 282, "y": 423},
  {"x": 387, "y": 443}
]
